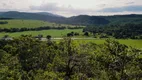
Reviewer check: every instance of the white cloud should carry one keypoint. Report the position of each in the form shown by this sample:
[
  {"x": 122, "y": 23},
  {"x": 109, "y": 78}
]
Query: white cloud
[
  {"x": 54, "y": 7},
  {"x": 68, "y": 7}
]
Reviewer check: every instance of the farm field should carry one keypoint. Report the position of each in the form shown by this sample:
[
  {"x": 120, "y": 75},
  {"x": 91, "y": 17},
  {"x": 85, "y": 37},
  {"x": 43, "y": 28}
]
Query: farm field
[
  {"x": 128, "y": 42},
  {"x": 55, "y": 33},
  {"x": 30, "y": 24},
  {"x": 52, "y": 32}
]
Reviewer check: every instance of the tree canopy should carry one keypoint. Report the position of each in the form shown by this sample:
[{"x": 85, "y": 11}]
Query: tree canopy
[{"x": 27, "y": 58}]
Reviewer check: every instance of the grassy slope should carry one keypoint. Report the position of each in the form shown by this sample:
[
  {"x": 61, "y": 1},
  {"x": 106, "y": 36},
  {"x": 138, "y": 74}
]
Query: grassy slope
[
  {"x": 33, "y": 24},
  {"x": 129, "y": 42},
  {"x": 29, "y": 24}
]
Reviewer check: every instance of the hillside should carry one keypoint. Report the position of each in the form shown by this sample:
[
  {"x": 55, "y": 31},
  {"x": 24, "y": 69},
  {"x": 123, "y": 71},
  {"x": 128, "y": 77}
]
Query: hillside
[
  {"x": 79, "y": 20},
  {"x": 49, "y": 14},
  {"x": 87, "y": 20},
  {"x": 33, "y": 16},
  {"x": 20, "y": 23},
  {"x": 124, "y": 19}
]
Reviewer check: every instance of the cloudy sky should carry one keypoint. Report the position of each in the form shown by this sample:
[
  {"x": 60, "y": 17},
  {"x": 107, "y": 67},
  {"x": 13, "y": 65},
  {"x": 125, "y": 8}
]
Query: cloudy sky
[{"x": 74, "y": 7}]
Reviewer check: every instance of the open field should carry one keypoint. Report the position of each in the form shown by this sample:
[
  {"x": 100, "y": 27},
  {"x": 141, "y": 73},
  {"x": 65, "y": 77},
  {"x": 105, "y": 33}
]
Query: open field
[
  {"x": 30, "y": 24},
  {"x": 128, "y": 42},
  {"x": 56, "y": 33},
  {"x": 53, "y": 33}
]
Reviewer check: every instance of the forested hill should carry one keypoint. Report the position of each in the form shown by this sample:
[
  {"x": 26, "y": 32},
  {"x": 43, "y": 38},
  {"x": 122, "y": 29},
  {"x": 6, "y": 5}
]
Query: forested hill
[
  {"x": 124, "y": 19},
  {"x": 33, "y": 16},
  {"x": 87, "y": 20},
  {"x": 80, "y": 20}
]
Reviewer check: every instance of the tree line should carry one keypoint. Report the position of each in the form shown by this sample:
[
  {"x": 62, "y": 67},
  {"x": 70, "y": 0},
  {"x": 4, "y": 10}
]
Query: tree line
[
  {"x": 3, "y": 22},
  {"x": 36, "y": 29},
  {"x": 6, "y": 18},
  {"x": 133, "y": 31},
  {"x": 27, "y": 58}
]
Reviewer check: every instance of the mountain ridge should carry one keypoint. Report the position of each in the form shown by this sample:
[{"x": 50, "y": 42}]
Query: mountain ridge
[{"x": 78, "y": 20}]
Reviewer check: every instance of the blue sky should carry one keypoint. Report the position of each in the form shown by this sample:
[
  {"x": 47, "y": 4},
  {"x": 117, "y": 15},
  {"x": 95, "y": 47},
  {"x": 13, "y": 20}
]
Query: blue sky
[{"x": 74, "y": 7}]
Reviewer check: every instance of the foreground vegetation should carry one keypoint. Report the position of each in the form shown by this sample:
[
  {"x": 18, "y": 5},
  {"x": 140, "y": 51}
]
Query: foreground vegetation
[{"x": 26, "y": 58}]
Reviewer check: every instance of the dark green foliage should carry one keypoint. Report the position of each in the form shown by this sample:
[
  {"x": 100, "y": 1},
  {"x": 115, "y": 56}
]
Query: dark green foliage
[
  {"x": 72, "y": 34},
  {"x": 86, "y": 20},
  {"x": 86, "y": 34},
  {"x": 36, "y": 29},
  {"x": 3, "y": 22},
  {"x": 133, "y": 31},
  {"x": 27, "y": 58},
  {"x": 6, "y": 18},
  {"x": 48, "y": 37},
  {"x": 33, "y": 16},
  {"x": 39, "y": 36},
  {"x": 30, "y": 29}
]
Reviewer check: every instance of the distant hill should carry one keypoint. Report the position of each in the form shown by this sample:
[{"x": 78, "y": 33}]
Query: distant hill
[
  {"x": 124, "y": 19},
  {"x": 79, "y": 20},
  {"x": 33, "y": 16},
  {"x": 87, "y": 20},
  {"x": 49, "y": 14}
]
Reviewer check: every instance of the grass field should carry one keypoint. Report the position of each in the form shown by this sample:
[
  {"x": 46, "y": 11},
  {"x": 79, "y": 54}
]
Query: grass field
[
  {"x": 53, "y": 33},
  {"x": 61, "y": 33},
  {"x": 129, "y": 42},
  {"x": 30, "y": 24}
]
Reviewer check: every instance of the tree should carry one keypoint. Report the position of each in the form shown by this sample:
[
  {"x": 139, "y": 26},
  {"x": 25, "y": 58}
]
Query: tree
[
  {"x": 27, "y": 58},
  {"x": 40, "y": 36},
  {"x": 69, "y": 34},
  {"x": 48, "y": 37},
  {"x": 86, "y": 34},
  {"x": 6, "y": 37},
  {"x": 76, "y": 34},
  {"x": 117, "y": 61}
]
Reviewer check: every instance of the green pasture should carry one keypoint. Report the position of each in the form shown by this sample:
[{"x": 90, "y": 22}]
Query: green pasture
[
  {"x": 52, "y": 32},
  {"x": 55, "y": 33},
  {"x": 30, "y": 24},
  {"x": 128, "y": 42}
]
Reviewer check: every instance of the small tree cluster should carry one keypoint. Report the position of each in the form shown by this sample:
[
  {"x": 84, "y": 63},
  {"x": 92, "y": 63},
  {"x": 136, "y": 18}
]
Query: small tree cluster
[{"x": 72, "y": 34}]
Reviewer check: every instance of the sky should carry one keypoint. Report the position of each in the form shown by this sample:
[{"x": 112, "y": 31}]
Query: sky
[{"x": 74, "y": 7}]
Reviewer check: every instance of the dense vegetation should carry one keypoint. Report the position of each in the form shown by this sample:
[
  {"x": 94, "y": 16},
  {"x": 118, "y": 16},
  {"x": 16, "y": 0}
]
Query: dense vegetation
[
  {"x": 36, "y": 29},
  {"x": 133, "y": 31},
  {"x": 86, "y": 20},
  {"x": 124, "y": 19},
  {"x": 3, "y": 22},
  {"x": 26, "y": 58}
]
